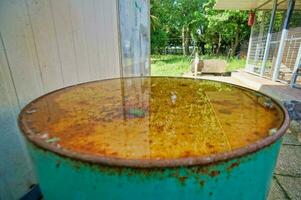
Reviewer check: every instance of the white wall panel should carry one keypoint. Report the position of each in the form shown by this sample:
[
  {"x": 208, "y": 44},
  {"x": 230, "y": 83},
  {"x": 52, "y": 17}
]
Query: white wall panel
[
  {"x": 61, "y": 13},
  {"x": 46, "y": 45},
  {"x": 19, "y": 45},
  {"x": 16, "y": 174},
  {"x": 49, "y": 44}
]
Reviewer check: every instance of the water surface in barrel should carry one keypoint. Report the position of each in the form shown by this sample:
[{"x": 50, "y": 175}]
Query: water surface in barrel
[{"x": 151, "y": 118}]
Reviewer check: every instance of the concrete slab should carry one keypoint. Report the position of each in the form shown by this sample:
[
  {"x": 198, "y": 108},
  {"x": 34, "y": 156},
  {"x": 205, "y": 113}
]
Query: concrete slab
[
  {"x": 292, "y": 137},
  {"x": 291, "y": 185},
  {"x": 226, "y": 79},
  {"x": 276, "y": 193},
  {"x": 277, "y": 90},
  {"x": 253, "y": 81},
  {"x": 289, "y": 161}
]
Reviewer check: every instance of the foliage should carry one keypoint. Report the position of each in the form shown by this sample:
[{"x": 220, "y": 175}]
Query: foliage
[
  {"x": 235, "y": 64},
  {"x": 225, "y": 29},
  {"x": 177, "y": 18},
  {"x": 159, "y": 26},
  {"x": 195, "y": 22},
  {"x": 159, "y": 40}
]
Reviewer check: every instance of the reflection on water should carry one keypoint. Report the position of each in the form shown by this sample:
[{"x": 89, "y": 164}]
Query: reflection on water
[{"x": 152, "y": 118}]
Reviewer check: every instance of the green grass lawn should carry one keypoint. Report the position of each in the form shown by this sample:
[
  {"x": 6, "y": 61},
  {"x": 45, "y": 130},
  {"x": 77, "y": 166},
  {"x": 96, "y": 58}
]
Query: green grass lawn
[
  {"x": 171, "y": 65},
  {"x": 176, "y": 65}
]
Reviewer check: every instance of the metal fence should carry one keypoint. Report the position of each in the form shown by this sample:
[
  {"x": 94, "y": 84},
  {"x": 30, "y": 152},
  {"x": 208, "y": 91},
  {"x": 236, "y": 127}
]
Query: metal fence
[
  {"x": 257, "y": 48},
  {"x": 257, "y": 45}
]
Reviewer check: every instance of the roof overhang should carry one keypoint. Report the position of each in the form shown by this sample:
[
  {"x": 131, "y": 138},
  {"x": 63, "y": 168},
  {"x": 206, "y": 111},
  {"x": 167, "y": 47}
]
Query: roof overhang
[{"x": 253, "y": 4}]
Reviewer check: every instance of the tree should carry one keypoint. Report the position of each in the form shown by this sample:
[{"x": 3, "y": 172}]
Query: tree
[
  {"x": 188, "y": 17},
  {"x": 225, "y": 27},
  {"x": 160, "y": 24},
  {"x": 178, "y": 18},
  {"x": 196, "y": 21}
]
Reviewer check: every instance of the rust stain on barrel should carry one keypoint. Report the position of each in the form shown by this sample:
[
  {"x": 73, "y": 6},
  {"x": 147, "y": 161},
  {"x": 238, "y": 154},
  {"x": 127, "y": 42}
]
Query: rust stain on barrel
[
  {"x": 233, "y": 165},
  {"x": 149, "y": 120},
  {"x": 214, "y": 173}
]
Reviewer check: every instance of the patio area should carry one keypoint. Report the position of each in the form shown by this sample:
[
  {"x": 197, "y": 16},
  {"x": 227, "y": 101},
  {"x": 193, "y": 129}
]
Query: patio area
[
  {"x": 286, "y": 182},
  {"x": 71, "y": 150}
]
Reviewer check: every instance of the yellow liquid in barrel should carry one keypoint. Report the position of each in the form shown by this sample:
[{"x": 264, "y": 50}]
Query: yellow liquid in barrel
[{"x": 152, "y": 118}]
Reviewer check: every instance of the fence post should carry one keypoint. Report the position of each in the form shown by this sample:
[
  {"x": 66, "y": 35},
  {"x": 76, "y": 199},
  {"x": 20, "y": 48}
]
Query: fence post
[
  {"x": 268, "y": 40},
  {"x": 249, "y": 47},
  {"x": 283, "y": 38}
]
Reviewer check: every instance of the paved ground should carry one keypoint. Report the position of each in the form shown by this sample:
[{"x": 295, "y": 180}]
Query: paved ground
[{"x": 286, "y": 182}]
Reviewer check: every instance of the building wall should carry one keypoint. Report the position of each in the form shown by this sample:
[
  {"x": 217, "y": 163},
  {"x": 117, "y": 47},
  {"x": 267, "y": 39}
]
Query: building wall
[{"x": 46, "y": 45}]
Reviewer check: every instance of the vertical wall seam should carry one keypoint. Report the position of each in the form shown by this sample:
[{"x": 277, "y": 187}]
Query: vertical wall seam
[
  {"x": 119, "y": 39},
  {"x": 86, "y": 43},
  {"x": 108, "y": 41},
  {"x": 56, "y": 41},
  {"x": 97, "y": 41},
  {"x": 10, "y": 72},
  {"x": 35, "y": 46},
  {"x": 73, "y": 43}
]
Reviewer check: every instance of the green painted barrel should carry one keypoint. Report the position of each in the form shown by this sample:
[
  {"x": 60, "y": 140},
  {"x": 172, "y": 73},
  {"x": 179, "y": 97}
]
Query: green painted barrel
[{"x": 154, "y": 138}]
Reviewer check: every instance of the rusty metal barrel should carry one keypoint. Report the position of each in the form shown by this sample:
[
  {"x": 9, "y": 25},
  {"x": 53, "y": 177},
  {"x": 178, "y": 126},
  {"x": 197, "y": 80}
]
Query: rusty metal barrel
[{"x": 154, "y": 138}]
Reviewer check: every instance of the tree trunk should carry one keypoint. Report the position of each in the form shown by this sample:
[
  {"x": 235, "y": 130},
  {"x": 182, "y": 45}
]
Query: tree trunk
[
  {"x": 219, "y": 43},
  {"x": 202, "y": 45},
  {"x": 236, "y": 43},
  {"x": 185, "y": 40}
]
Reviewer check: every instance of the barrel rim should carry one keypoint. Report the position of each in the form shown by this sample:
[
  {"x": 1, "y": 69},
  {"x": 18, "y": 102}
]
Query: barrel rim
[{"x": 157, "y": 163}]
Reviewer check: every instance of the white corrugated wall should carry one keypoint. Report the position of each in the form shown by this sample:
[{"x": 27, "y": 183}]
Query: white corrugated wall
[{"x": 46, "y": 45}]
